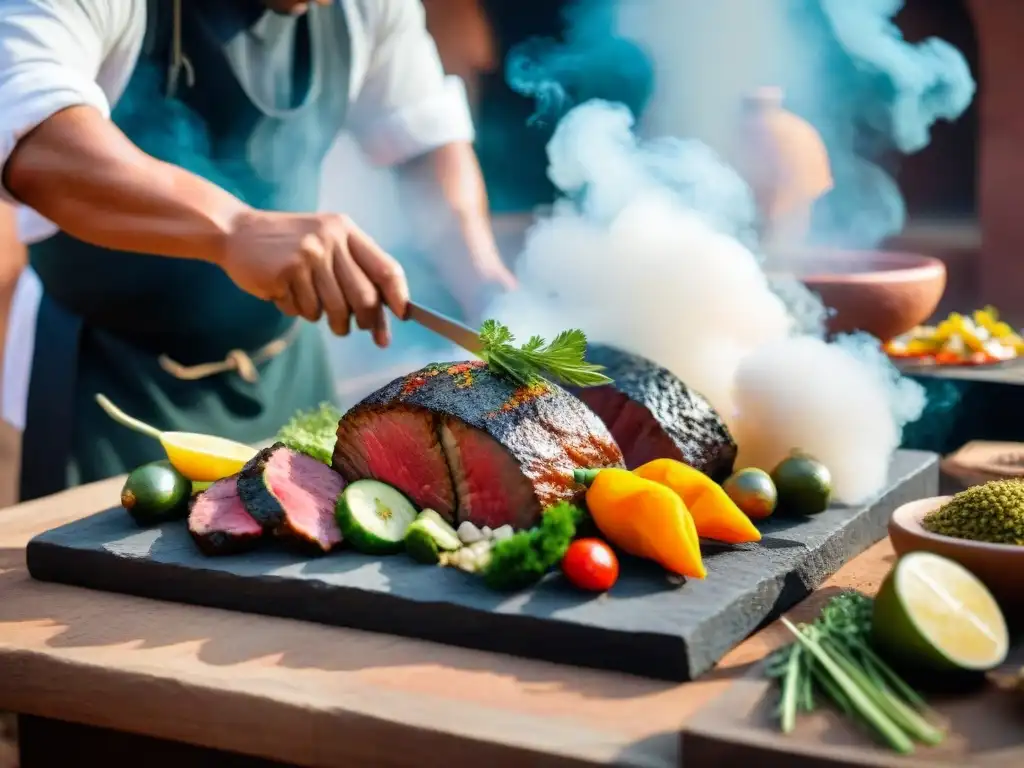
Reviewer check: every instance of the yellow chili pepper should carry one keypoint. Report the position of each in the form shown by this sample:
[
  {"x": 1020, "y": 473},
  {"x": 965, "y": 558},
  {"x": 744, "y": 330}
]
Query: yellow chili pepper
[
  {"x": 644, "y": 519},
  {"x": 714, "y": 513}
]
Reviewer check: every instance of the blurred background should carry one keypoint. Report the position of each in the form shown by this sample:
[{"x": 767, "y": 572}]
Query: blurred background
[{"x": 675, "y": 65}]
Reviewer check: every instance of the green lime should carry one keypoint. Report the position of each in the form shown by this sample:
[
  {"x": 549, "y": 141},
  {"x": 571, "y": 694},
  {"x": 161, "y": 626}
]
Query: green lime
[
  {"x": 753, "y": 491},
  {"x": 933, "y": 614},
  {"x": 804, "y": 485},
  {"x": 156, "y": 492}
]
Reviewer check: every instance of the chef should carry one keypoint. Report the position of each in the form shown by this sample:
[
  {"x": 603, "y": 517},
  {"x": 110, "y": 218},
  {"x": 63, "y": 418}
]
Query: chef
[
  {"x": 165, "y": 158},
  {"x": 12, "y": 261}
]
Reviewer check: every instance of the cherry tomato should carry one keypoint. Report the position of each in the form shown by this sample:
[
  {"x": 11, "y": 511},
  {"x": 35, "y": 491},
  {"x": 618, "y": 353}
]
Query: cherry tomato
[{"x": 590, "y": 564}]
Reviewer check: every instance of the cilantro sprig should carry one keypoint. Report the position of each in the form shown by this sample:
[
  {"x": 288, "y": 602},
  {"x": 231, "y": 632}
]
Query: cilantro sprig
[{"x": 563, "y": 360}]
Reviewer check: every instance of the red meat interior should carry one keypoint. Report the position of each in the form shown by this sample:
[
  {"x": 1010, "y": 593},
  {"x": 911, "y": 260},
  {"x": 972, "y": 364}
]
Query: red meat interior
[
  {"x": 633, "y": 426},
  {"x": 398, "y": 446},
  {"x": 218, "y": 509},
  {"x": 489, "y": 483},
  {"x": 307, "y": 490},
  {"x": 440, "y": 463}
]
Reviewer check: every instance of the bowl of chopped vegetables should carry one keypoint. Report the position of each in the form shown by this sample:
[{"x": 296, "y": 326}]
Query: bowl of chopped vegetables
[
  {"x": 979, "y": 338},
  {"x": 981, "y": 528}
]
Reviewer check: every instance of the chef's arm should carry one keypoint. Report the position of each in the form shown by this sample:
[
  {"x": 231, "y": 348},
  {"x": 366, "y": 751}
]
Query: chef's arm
[
  {"x": 12, "y": 261},
  {"x": 410, "y": 115},
  {"x": 447, "y": 200},
  {"x": 82, "y": 173},
  {"x": 61, "y": 154}
]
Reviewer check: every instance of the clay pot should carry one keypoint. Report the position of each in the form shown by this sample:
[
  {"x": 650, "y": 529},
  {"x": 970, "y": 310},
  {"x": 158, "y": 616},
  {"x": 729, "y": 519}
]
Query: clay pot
[
  {"x": 784, "y": 160},
  {"x": 999, "y": 566},
  {"x": 884, "y": 293}
]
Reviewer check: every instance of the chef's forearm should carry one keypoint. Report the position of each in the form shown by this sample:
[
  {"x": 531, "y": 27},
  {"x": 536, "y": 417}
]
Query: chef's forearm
[
  {"x": 462, "y": 186},
  {"x": 80, "y": 172},
  {"x": 458, "y": 175},
  {"x": 451, "y": 187},
  {"x": 12, "y": 262}
]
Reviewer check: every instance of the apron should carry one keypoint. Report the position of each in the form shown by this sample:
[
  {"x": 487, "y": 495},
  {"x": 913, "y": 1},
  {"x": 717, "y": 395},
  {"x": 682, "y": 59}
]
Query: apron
[{"x": 257, "y": 101}]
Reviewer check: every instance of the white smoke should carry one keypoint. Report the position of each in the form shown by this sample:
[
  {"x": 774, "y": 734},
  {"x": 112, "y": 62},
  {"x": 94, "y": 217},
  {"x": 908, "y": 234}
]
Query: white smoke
[
  {"x": 637, "y": 257},
  {"x": 843, "y": 64}
]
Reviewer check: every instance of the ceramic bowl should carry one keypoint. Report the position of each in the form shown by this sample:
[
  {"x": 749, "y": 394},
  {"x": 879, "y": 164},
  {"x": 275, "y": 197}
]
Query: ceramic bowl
[
  {"x": 884, "y": 293},
  {"x": 999, "y": 566}
]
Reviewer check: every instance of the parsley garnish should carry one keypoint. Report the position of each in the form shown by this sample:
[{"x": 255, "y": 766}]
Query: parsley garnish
[{"x": 562, "y": 360}]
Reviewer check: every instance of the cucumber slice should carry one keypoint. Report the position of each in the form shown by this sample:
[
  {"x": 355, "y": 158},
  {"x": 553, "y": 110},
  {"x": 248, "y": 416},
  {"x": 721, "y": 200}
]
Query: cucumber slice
[
  {"x": 420, "y": 545},
  {"x": 445, "y": 536},
  {"x": 428, "y": 536},
  {"x": 374, "y": 517}
]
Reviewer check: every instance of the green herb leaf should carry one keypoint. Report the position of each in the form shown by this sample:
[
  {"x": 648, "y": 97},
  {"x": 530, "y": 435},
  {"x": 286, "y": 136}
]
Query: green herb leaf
[
  {"x": 312, "y": 432},
  {"x": 563, "y": 360}
]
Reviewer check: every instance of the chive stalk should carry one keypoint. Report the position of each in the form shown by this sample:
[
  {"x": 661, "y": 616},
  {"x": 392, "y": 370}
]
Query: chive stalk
[
  {"x": 888, "y": 704},
  {"x": 859, "y": 699},
  {"x": 894, "y": 680},
  {"x": 789, "y": 692},
  {"x": 833, "y": 691},
  {"x": 832, "y": 657}
]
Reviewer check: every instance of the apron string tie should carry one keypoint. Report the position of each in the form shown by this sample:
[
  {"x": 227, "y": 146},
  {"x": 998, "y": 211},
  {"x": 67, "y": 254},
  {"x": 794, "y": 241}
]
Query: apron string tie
[
  {"x": 237, "y": 360},
  {"x": 179, "y": 61}
]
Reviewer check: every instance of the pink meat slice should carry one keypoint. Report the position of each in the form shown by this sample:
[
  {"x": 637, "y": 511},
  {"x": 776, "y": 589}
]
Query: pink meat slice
[
  {"x": 307, "y": 491},
  {"x": 218, "y": 521}
]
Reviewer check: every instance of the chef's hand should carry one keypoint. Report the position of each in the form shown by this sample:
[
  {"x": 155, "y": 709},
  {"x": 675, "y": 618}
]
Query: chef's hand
[{"x": 315, "y": 264}]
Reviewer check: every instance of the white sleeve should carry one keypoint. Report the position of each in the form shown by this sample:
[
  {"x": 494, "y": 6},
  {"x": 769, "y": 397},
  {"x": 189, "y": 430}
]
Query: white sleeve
[
  {"x": 406, "y": 106},
  {"x": 51, "y": 52}
]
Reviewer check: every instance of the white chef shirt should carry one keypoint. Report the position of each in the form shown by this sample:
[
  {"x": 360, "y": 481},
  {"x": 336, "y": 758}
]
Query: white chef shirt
[{"x": 56, "y": 54}]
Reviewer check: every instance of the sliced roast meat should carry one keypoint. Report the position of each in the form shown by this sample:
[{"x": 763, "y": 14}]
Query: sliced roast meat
[
  {"x": 292, "y": 495},
  {"x": 489, "y": 481},
  {"x": 402, "y": 450},
  {"x": 653, "y": 415},
  {"x": 472, "y": 445},
  {"x": 219, "y": 523}
]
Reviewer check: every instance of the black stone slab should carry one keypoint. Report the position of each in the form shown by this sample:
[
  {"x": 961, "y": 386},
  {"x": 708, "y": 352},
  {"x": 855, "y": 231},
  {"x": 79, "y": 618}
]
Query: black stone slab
[{"x": 646, "y": 625}]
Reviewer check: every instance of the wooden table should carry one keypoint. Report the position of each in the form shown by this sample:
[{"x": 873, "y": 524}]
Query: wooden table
[{"x": 310, "y": 695}]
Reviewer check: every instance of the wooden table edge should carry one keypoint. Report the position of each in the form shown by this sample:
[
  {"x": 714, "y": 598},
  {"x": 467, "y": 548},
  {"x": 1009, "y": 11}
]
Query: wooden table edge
[{"x": 151, "y": 705}]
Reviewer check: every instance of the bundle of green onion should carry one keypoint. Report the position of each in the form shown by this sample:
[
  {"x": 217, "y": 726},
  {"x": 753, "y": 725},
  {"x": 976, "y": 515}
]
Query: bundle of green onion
[{"x": 832, "y": 658}]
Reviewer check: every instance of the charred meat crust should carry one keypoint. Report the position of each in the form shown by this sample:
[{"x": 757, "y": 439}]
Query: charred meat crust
[
  {"x": 257, "y": 493},
  {"x": 217, "y": 543},
  {"x": 686, "y": 418},
  {"x": 258, "y": 499},
  {"x": 547, "y": 431}
]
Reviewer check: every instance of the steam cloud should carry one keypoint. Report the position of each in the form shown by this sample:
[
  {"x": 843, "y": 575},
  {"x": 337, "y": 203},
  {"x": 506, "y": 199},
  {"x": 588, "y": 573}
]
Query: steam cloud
[
  {"x": 844, "y": 66},
  {"x": 650, "y": 249}
]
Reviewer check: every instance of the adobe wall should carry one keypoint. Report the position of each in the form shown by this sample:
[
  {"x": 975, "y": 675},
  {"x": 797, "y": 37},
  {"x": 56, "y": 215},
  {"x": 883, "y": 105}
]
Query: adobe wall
[{"x": 1000, "y": 28}]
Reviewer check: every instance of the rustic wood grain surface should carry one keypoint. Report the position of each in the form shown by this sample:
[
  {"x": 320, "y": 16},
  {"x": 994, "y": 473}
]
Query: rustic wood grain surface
[{"x": 313, "y": 695}]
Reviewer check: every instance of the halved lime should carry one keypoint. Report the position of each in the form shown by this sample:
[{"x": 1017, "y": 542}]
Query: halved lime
[{"x": 932, "y": 613}]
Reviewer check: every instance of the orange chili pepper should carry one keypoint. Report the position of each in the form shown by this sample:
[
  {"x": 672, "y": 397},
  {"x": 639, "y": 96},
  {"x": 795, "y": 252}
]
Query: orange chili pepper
[
  {"x": 644, "y": 519},
  {"x": 714, "y": 513}
]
